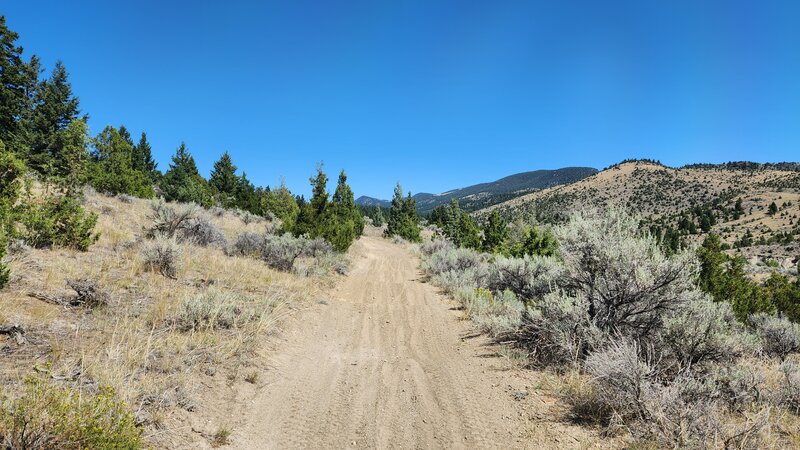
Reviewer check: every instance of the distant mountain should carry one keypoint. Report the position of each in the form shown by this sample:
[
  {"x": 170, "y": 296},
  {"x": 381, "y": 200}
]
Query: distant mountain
[
  {"x": 372, "y": 201},
  {"x": 482, "y": 195}
]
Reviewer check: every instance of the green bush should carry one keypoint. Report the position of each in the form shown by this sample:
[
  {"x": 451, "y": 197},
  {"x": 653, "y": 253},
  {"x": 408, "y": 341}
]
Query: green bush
[
  {"x": 58, "y": 222},
  {"x": 46, "y": 416}
]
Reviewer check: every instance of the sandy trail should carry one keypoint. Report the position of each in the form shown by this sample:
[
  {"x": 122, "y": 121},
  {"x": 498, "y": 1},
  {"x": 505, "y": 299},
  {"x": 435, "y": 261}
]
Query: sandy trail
[{"x": 386, "y": 364}]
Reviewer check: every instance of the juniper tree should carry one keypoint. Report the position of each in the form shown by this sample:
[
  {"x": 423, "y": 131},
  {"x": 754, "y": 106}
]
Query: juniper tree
[
  {"x": 282, "y": 204},
  {"x": 403, "y": 220},
  {"x": 312, "y": 215},
  {"x": 773, "y": 208},
  {"x": 495, "y": 233},
  {"x": 344, "y": 223},
  {"x": 69, "y": 168}
]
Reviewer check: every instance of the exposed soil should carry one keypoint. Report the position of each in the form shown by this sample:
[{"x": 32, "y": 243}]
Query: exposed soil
[{"x": 385, "y": 362}]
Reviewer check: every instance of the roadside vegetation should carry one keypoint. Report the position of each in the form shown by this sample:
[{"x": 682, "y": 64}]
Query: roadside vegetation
[
  {"x": 136, "y": 301},
  {"x": 667, "y": 349}
]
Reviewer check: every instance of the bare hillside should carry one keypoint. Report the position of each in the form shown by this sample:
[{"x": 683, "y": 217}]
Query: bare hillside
[{"x": 664, "y": 196}]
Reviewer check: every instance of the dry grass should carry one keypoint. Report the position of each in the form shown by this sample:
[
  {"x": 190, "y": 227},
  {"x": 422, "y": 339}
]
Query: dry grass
[
  {"x": 654, "y": 191},
  {"x": 134, "y": 344}
]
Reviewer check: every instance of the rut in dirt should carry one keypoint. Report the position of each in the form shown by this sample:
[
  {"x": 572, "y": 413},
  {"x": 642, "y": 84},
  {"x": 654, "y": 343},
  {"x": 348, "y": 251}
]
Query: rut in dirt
[{"x": 384, "y": 364}]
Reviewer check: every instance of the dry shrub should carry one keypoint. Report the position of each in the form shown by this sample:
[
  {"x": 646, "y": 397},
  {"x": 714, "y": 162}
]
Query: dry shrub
[
  {"x": 701, "y": 333},
  {"x": 215, "y": 309},
  {"x": 435, "y": 246},
  {"x": 162, "y": 255},
  {"x": 247, "y": 244},
  {"x": 201, "y": 231},
  {"x": 168, "y": 219},
  {"x": 558, "y": 331},
  {"x": 530, "y": 277},
  {"x": 630, "y": 284},
  {"x": 280, "y": 252},
  {"x": 779, "y": 336},
  {"x": 247, "y": 217},
  {"x": 622, "y": 379},
  {"x": 496, "y": 315},
  {"x": 87, "y": 293}
]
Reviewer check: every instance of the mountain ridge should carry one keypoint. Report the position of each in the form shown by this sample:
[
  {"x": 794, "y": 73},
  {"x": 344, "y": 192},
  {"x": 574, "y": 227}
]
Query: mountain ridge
[{"x": 485, "y": 194}]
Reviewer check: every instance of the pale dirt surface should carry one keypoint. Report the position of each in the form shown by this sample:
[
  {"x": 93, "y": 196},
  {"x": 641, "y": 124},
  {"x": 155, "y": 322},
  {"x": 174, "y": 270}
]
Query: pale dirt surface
[{"x": 385, "y": 362}]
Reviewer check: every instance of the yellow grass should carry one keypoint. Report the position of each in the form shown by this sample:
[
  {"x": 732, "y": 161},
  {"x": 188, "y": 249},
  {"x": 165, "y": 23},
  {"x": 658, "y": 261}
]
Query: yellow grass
[{"x": 132, "y": 345}]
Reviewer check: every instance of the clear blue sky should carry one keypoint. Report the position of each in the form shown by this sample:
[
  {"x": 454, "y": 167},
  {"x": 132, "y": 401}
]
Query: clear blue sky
[{"x": 436, "y": 94}]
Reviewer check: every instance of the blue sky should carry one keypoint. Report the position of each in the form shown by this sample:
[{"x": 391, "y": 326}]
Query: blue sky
[{"x": 435, "y": 94}]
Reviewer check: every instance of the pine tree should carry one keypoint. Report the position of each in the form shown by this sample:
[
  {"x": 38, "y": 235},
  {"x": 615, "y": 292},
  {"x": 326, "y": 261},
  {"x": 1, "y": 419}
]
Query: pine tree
[
  {"x": 126, "y": 136},
  {"x": 17, "y": 85},
  {"x": 183, "y": 182},
  {"x": 55, "y": 107},
  {"x": 224, "y": 181},
  {"x": 143, "y": 159},
  {"x": 113, "y": 168},
  {"x": 246, "y": 195},
  {"x": 495, "y": 233}
]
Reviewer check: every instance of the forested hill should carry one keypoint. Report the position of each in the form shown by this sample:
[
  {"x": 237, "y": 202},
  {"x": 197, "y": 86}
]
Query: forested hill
[{"x": 482, "y": 195}]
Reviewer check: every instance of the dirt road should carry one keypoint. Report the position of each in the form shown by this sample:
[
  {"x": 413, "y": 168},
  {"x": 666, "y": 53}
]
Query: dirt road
[{"x": 384, "y": 362}]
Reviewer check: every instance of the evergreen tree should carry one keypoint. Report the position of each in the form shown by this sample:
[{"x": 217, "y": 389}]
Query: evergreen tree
[
  {"x": 723, "y": 277},
  {"x": 403, "y": 220},
  {"x": 11, "y": 171},
  {"x": 344, "y": 223},
  {"x": 17, "y": 85},
  {"x": 773, "y": 208},
  {"x": 143, "y": 159},
  {"x": 458, "y": 226},
  {"x": 310, "y": 221},
  {"x": 224, "y": 181},
  {"x": 377, "y": 216},
  {"x": 183, "y": 182},
  {"x": 126, "y": 136},
  {"x": 246, "y": 195},
  {"x": 68, "y": 168},
  {"x": 536, "y": 242},
  {"x": 113, "y": 168},
  {"x": 55, "y": 107},
  {"x": 495, "y": 233},
  {"x": 738, "y": 210},
  {"x": 282, "y": 204}
]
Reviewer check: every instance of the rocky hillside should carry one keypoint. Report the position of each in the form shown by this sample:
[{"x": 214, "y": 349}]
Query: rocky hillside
[{"x": 733, "y": 200}]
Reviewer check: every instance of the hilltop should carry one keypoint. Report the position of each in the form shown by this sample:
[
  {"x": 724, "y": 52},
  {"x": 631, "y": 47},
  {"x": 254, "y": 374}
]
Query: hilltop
[
  {"x": 694, "y": 199},
  {"x": 482, "y": 195}
]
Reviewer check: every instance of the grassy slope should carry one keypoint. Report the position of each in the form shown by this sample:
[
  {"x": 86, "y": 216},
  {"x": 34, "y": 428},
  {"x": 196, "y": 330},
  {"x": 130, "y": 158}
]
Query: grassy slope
[
  {"x": 183, "y": 386},
  {"x": 654, "y": 191}
]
